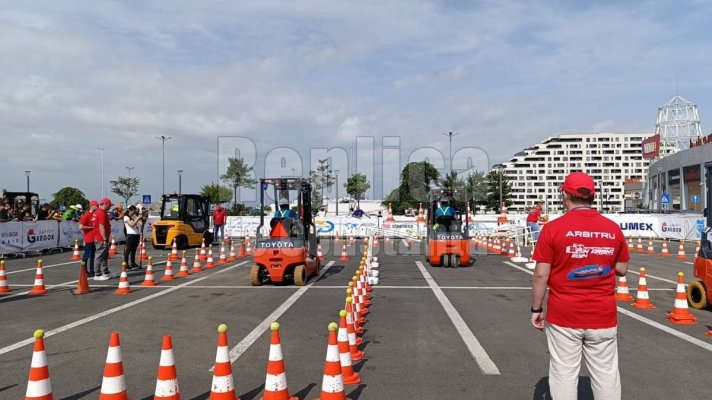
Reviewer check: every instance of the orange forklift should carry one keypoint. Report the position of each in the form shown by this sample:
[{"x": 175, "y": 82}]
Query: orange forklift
[
  {"x": 288, "y": 253},
  {"x": 699, "y": 293},
  {"x": 447, "y": 240}
]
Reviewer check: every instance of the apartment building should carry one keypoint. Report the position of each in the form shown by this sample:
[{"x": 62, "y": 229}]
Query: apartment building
[{"x": 611, "y": 159}]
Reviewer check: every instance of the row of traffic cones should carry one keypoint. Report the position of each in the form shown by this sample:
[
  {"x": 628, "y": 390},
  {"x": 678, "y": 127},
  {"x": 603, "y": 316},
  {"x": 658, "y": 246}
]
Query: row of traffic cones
[
  {"x": 680, "y": 313},
  {"x": 664, "y": 251}
]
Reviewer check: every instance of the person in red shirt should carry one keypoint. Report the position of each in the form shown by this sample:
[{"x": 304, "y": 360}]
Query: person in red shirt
[
  {"x": 219, "y": 218},
  {"x": 102, "y": 236},
  {"x": 578, "y": 256},
  {"x": 533, "y": 219},
  {"x": 86, "y": 225}
]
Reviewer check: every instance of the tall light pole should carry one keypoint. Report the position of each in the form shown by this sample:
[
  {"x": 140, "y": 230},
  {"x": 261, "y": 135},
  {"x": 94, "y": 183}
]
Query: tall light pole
[
  {"x": 450, "y": 135},
  {"x": 27, "y": 174},
  {"x": 102, "y": 171},
  {"x": 180, "y": 175},
  {"x": 336, "y": 172},
  {"x": 500, "y": 168},
  {"x": 163, "y": 141},
  {"x": 130, "y": 169}
]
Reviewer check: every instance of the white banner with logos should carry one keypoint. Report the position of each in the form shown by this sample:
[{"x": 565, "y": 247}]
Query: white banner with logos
[
  {"x": 19, "y": 237},
  {"x": 11, "y": 240}
]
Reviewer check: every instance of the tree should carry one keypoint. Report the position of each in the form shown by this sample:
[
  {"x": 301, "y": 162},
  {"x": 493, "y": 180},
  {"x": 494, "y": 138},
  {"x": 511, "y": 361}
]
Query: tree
[
  {"x": 218, "y": 194},
  {"x": 493, "y": 185},
  {"x": 316, "y": 197},
  {"x": 356, "y": 186},
  {"x": 476, "y": 185},
  {"x": 451, "y": 181},
  {"x": 68, "y": 196},
  {"x": 322, "y": 176},
  {"x": 125, "y": 187},
  {"x": 238, "y": 174},
  {"x": 415, "y": 181}
]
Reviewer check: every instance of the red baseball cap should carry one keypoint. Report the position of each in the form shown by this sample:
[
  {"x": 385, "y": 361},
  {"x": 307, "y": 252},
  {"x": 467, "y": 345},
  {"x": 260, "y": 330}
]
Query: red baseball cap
[
  {"x": 105, "y": 200},
  {"x": 579, "y": 184},
  {"x": 93, "y": 203}
]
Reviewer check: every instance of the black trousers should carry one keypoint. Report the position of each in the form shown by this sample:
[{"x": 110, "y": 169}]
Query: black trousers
[{"x": 130, "y": 249}]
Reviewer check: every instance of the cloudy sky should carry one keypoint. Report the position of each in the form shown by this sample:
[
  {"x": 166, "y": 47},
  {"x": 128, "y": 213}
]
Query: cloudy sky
[{"x": 280, "y": 82}]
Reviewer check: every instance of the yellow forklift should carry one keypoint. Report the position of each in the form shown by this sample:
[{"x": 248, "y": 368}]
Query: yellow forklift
[{"x": 185, "y": 218}]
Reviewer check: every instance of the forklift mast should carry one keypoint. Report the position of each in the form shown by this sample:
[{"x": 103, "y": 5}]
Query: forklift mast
[{"x": 706, "y": 240}]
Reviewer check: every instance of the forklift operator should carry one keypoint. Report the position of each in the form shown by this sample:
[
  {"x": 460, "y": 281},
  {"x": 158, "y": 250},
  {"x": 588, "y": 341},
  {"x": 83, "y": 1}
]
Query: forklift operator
[
  {"x": 285, "y": 212},
  {"x": 444, "y": 217}
]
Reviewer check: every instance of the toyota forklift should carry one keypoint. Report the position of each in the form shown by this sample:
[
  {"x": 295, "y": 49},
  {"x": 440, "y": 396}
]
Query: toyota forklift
[
  {"x": 288, "y": 252},
  {"x": 699, "y": 293},
  {"x": 185, "y": 218},
  {"x": 447, "y": 239}
]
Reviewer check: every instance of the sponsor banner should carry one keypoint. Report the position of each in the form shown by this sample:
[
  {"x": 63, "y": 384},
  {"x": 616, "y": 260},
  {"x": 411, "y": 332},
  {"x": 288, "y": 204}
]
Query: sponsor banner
[
  {"x": 39, "y": 235},
  {"x": 11, "y": 237},
  {"x": 69, "y": 232},
  {"x": 651, "y": 147}
]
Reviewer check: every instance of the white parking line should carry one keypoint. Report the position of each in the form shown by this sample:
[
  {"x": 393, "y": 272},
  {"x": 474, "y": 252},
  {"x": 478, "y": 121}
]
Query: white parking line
[
  {"x": 251, "y": 337},
  {"x": 483, "y": 360},
  {"x": 652, "y": 323},
  {"x": 111, "y": 311}
]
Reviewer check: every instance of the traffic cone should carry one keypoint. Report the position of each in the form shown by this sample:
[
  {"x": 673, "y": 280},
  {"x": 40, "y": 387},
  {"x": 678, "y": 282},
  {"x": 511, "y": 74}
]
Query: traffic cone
[
  {"x": 421, "y": 217},
  {"x": 651, "y": 249},
  {"x": 4, "y": 286},
  {"x": 681, "y": 251},
  {"x": 642, "y": 299},
  {"x": 148, "y": 278},
  {"x": 39, "y": 287},
  {"x": 631, "y": 247},
  {"x": 167, "y": 379},
  {"x": 511, "y": 253},
  {"x": 223, "y": 258},
  {"x": 622, "y": 292},
  {"x": 142, "y": 255},
  {"x": 203, "y": 254},
  {"x": 389, "y": 215},
  {"x": 75, "y": 255},
  {"x": 356, "y": 354},
  {"x": 210, "y": 262},
  {"x": 183, "y": 271},
  {"x": 196, "y": 263},
  {"x": 113, "y": 384},
  {"x": 336, "y": 237},
  {"x": 39, "y": 386},
  {"x": 168, "y": 272},
  {"x": 174, "y": 252},
  {"x": 680, "y": 313},
  {"x": 349, "y": 307},
  {"x": 233, "y": 256},
  {"x": 223, "y": 387},
  {"x": 664, "y": 252},
  {"x": 639, "y": 249},
  {"x": 503, "y": 215},
  {"x": 123, "y": 282},
  {"x": 241, "y": 253},
  {"x": 248, "y": 246},
  {"x": 332, "y": 385},
  {"x": 276, "y": 378},
  {"x": 319, "y": 253},
  {"x": 344, "y": 255},
  {"x": 83, "y": 283},
  {"x": 350, "y": 376},
  {"x": 113, "y": 250}
]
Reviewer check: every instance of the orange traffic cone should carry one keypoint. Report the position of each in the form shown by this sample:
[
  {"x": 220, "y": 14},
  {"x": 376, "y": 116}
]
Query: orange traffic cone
[
  {"x": 203, "y": 253},
  {"x": 113, "y": 384},
  {"x": 4, "y": 286},
  {"x": 631, "y": 247},
  {"x": 223, "y": 387},
  {"x": 143, "y": 256},
  {"x": 356, "y": 354},
  {"x": 344, "y": 255},
  {"x": 148, "y": 278},
  {"x": 642, "y": 300},
  {"x": 39, "y": 287},
  {"x": 83, "y": 283},
  {"x": 639, "y": 249},
  {"x": 210, "y": 261},
  {"x": 248, "y": 246},
  {"x": 622, "y": 292},
  {"x": 75, "y": 255},
  {"x": 276, "y": 378},
  {"x": 350, "y": 376},
  {"x": 319, "y": 253},
  {"x": 196, "y": 263},
  {"x": 389, "y": 214},
  {"x": 223, "y": 258},
  {"x": 183, "y": 271},
  {"x": 332, "y": 386},
  {"x": 511, "y": 253},
  {"x": 664, "y": 252},
  {"x": 174, "y": 252},
  {"x": 421, "y": 217},
  {"x": 651, "y": 249},
  {"x": 233, "y": 255},
  {"x": 349, "y": 307},
  {"x": 241, "y": 253},
  {"x": 336, "y": 237},
  {"x": 113, "y": 250},
  {"x": 168, "y": 272},
  {"x": 680, "y": 314},
  {"x": 167, "y": 379},
  {"x": 681, "y": 251},
  {"x": 39, "y": 386},
  {"x": 123, "y": 282}
]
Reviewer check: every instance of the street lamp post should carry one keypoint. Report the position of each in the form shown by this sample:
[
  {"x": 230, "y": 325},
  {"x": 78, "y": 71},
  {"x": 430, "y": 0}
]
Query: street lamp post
[
  {"x": 336, "y": 172},
  {"x": 500, "y": 168},
  {"x": 102, "y": 170},
  {"x": 163, "y": 141},
  {"x": 130, "y": 169},
  {"x": 27, "y": 174},
  {"x": 180, "y": 175},
  {"x": 450, "y": 135}
]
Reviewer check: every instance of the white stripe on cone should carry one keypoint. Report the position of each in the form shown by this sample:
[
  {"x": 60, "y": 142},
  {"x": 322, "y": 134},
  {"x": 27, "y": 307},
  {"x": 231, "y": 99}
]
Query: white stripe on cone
[
  {"x": 275, "y": 352},
  {"x": 38, "y": 388},
  {"x": 332, "y": 384},
  {"x": 332, "y": 353},
  {"x": 222, "y": 384},
  {"x": 276, "y": 383},
  {"x": 643, "y": 295},
  {"x": 113, "y": 355},
  {"x": 166, "y": 387},
  {"x": 113, "y": 384},
  {"x": 222, "y": 355},
  {"x": 167, "y": 358}
]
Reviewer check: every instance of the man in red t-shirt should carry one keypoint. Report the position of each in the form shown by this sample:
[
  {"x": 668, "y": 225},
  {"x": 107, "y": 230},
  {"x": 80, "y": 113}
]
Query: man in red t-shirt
[
  {"x": 86, "y": 225},
  {"x": 578, "y": 256},
  {"x": 219, "y": 217},
  {"x": 533, "y": 219},
  {"x": 102, "y": 236}
]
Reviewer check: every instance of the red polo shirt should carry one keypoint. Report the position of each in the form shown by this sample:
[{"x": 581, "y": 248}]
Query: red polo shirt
[
  {"x": 101, "y": 218},
  {"x": 87, "y": 220}
]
